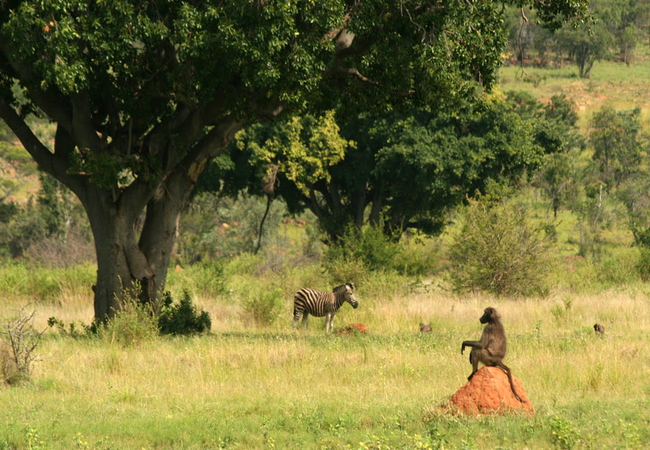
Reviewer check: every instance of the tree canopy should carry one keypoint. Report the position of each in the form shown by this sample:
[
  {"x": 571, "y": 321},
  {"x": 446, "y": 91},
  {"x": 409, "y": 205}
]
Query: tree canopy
[{"x": 408, "y": 169}]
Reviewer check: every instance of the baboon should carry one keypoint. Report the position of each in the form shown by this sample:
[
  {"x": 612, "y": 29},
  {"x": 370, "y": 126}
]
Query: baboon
[
  {"x": 598, "y": 328},
  {"x": 491, "y": 349},
  {"x": 425, "y": 328}
]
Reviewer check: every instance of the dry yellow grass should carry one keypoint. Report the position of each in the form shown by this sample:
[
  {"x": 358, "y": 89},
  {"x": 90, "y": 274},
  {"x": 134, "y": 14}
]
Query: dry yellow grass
[{"x": 247, "y": 387}]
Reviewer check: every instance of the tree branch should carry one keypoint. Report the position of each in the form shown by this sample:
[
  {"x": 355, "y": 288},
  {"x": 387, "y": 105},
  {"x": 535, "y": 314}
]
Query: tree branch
[
  {"x": 83, "y": 131},
  {"x": 41, "y": 154}
]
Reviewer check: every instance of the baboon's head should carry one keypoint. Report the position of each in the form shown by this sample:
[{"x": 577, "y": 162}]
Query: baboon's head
[
  {"x": 349, "y": 295},
  {"x": 489, "y": 315}
]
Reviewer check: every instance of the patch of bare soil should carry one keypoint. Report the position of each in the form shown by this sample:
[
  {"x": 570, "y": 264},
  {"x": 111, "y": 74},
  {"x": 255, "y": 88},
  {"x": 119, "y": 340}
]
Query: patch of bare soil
[{"x": 352, "y": 329}]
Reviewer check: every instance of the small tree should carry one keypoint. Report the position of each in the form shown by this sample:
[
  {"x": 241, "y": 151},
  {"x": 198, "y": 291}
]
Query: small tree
[
  {"x": 615, "y": 137},
  {"x": 500, "y": 250},
  {"x": 587, "y": 45}
]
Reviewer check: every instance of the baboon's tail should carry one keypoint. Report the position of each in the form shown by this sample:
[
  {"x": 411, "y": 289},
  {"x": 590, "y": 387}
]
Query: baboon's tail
[{"x": 506, "y": 369}]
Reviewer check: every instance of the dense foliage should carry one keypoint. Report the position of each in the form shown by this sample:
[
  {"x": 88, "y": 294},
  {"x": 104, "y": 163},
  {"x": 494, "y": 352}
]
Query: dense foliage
[
  {"x": 501, "y": 250},
  {"x": 398, "y": 171},
  {"x": 182, "y": 318}
]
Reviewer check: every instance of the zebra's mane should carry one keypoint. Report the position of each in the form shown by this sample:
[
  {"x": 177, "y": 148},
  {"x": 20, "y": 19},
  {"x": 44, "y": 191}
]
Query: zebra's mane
[{"x": 342, "y": 287}]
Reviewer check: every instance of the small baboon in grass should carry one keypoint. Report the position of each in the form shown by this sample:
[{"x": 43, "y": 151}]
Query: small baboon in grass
[
  {"x": 491, "y": 349},
  {"x": 599, "y": 329},
  {"x": 425, "y": 328}
]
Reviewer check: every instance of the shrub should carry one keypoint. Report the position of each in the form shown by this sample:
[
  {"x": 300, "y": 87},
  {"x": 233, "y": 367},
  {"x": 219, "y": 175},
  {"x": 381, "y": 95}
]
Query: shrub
[
  {"x": 182, "y": 318},
  {"x": 133, "y": 324},
  {"x": 208, "y": 275},
  {"x": 72, "y": 330},
  {"x": 563, "y": 434},
  {"x": 46, "y": 284},
  {"x": 368, "y": 245},
  {"x": 618, "y": 270},
  {"x": 264, "y": 306},
  {"x": 643, "y": 263},
  {"x": 17, "y": 347},
  {"x": 343, "y": 270},
  {"x": 217, "y": 227},
  {"x": 360, "y": 251},
  {"x": 500, "y": 250}
]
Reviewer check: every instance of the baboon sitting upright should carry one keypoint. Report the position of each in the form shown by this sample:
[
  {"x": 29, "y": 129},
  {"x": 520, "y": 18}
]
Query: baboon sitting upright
[{"x": 491, "y": 349}]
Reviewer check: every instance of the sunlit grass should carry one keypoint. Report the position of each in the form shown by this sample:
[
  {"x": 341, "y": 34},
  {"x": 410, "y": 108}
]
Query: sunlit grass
[{"x": 257, "y": 387}]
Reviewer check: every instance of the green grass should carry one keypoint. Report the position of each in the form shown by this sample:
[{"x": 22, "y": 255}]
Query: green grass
[{"x": 263, "y": 387}]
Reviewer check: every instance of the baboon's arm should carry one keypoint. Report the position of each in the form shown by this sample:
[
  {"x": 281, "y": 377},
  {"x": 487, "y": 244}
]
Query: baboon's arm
[{"x": 473, "y": 344}]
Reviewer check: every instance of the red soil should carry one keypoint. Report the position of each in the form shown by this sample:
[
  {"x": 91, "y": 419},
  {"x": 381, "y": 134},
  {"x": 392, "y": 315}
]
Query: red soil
[
  {"x": 489, "y": 393},
  {"x": 353, "y": 328}
]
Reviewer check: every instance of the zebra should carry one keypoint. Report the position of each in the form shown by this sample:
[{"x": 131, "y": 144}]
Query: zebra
[{"x": 310, "y": 301}]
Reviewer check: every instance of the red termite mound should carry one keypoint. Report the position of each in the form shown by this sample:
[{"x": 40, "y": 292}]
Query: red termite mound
[{"x": 489, "y": 393}]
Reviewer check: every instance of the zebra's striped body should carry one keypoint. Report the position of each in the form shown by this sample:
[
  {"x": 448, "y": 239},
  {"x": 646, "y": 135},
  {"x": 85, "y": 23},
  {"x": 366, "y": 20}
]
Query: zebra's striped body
[{"x": 317, "y": 303}]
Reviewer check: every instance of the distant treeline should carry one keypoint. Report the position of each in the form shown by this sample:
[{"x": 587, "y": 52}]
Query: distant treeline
[{"x": 615, "y": 30}]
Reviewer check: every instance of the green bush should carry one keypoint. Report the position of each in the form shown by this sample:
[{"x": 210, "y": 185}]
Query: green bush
[
  {"x": 618, "y": 270},
  {"x": 72, "y": 329},
  {"x": 264, "y": 306},
  {"x": 643, "y": 263},
  {"x": 182, "y": 318},
  {"x": 216, "y": 227},
  {"x": 46, "y": 284},
  {"x": 371, "y": 249},
  {"x": 206, "y": 278},
  {"x": 368, "y": 245},
  {"x": 133, "y": 324},
  {"x": 563, "y": 434},
  {"x": 344, "y": 270},
  {"x": 500, "y": 250}
]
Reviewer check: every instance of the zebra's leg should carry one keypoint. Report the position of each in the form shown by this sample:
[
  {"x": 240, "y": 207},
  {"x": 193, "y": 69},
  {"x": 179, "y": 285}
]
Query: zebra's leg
[
  {"x": 332, "y": 322},
  {"x": 305, "y": 315},
  {"x": 296, "y": 316}
]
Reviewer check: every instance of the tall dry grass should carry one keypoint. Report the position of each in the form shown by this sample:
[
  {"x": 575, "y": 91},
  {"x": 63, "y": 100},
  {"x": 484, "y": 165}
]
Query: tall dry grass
[{"x": 247, "y": 386}]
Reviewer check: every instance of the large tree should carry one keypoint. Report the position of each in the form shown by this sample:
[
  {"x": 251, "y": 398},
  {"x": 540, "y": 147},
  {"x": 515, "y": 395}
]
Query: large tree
[
  {"x": 398, "y": 171},
  {"x": 145, "y": 94}
]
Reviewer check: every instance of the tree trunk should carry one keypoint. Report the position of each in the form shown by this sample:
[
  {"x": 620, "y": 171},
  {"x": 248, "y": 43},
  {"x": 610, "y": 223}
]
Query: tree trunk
[
  {"x": 266, "y": 213},
  {"x": 125, "y": 259},
  {"x": 175, "y": 152},
  {"x": 375, "y": 210},
  {"x": 359, "y": 206}
]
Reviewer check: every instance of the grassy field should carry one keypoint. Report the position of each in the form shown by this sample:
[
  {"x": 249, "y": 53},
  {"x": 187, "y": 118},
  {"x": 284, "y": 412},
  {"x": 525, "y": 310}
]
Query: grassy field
[{"x": 244, "y": 386}]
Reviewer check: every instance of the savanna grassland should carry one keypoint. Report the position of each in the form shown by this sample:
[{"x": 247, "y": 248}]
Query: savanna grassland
[
  {"x": 252, "y": 386},
  {"x": 254, "y": 382}
]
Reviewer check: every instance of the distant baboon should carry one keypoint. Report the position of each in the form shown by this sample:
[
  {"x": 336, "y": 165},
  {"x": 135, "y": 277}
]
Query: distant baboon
[
  {"x": 598, "y": 328},
  {"x": 425, "y": 328},
  {"x": 491, "y": 349}
]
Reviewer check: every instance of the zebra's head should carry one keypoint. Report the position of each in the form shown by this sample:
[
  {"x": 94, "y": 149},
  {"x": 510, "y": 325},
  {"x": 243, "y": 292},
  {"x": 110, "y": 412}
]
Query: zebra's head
[
  {"x": 349, "y": 295},
  {"x": 347, "y": 290}
]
